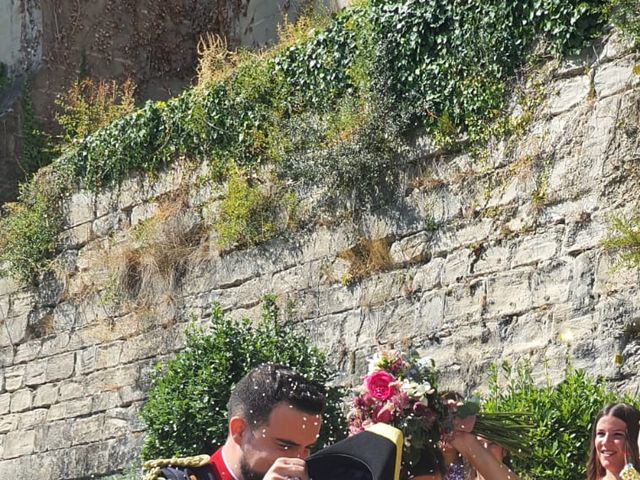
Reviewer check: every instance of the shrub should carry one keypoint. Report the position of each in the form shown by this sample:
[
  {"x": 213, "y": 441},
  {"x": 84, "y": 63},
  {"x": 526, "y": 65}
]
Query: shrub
[
  {"x": 186, "y": 413},
  {"x": 252, "y": 213},
  {"x": 37, "y": 146},
  {"x": 89, "y": 105},
  {"x": 561, "y": 414},
  {"x": 625, "y": 15},
  {"x": 29, "y": 230},
  {"x": 624, "y": 240}
]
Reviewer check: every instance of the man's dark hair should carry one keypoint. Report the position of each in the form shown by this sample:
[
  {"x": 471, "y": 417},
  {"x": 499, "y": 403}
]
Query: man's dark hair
[{"x": 260, "y": 390}]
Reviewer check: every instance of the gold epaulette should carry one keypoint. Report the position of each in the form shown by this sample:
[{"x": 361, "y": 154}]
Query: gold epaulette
[{"x": 155, "y": 466}]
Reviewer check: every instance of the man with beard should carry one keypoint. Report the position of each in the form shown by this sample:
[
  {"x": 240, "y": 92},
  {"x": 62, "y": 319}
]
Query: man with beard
[{"x": 274, "y": 420}]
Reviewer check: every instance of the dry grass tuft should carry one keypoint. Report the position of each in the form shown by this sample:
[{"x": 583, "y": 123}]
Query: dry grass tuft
[
  {"x": 148, "y": 269},
  {"x": 216, "y": 62},
  {"x": 367, "y": 257}
]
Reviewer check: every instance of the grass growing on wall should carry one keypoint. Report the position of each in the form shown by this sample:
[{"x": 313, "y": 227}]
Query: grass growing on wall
[{"x": 330, "y": 106}]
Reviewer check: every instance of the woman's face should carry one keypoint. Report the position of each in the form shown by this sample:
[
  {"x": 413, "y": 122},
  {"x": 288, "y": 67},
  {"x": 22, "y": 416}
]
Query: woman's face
[{"x": 610, "y": 443}]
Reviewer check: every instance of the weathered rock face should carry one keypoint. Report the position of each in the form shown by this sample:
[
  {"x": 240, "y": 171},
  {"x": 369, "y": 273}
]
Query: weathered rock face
[{"x": 487, "y": 261}]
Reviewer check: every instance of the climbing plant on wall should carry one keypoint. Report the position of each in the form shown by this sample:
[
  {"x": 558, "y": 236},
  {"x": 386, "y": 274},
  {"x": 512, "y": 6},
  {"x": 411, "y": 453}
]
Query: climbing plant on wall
[{"x": 339, "y": 101}]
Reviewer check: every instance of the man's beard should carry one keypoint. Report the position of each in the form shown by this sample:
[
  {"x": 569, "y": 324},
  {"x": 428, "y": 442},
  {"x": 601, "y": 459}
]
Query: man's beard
[{"x": 247, "y": 473}]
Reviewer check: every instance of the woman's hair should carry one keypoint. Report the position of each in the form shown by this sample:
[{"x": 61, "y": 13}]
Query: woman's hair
[{"x": 630, "y": 416}]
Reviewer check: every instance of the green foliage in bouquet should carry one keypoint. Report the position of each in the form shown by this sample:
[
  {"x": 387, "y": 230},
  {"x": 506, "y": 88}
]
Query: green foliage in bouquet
[
  {"x": 186, "y": 411},
  {"x": 561, "y": 416}
]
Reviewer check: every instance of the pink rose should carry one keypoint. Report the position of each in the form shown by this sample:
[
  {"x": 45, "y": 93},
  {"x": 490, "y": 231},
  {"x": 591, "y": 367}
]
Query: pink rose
[{"x": 380, "y": 385}]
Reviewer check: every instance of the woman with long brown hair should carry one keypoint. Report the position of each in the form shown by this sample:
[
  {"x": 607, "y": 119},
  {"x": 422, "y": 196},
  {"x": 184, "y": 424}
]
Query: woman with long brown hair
[{"x": 614, "y": 442}]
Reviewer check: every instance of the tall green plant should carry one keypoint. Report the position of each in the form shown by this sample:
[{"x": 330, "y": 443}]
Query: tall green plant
[
  {"x": 562, "y": 416},
  {"x": 624, "y": 240},
  {"x": 29, "y": 233},
  {"x": 186, "y": 412}
]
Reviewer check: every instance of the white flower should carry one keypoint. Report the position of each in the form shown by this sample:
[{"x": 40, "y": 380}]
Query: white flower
[
  {"x": 418, "y": 391},
  {"x": 425, "y": 362}
]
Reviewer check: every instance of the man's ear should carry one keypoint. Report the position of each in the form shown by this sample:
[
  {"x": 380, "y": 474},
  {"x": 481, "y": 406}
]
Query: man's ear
[{"x": 237, "y": 429}]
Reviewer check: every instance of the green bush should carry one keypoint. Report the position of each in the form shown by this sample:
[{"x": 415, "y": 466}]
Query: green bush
[
  {"x": 186, "y": 413},
  {"x": 29, "y": 230},
  {"x": 37, "y": 148},
  {"x": 90, "y": 105},
  {"x": 561, "y": 414},
  {"x": 625, "y": 15},
  {"x": 251, "y": 213},
  {"x": 623, "y": 240}
]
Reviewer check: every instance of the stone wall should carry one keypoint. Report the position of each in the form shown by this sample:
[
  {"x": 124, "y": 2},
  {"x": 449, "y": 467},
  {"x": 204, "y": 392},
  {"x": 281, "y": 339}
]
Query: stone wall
[
  {"x": 491, "y": 260},
  {"x": 153, "y": 43}
]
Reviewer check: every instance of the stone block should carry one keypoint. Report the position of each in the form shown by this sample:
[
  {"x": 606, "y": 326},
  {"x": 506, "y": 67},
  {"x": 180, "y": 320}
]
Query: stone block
[
  {"x": 19, "y": 443},
  {"x": 65, "y": 316},
  {"x": 45, "y": 395},
  {"x": 509, "y": 293},
  {"x": 8, "y": 286},
  {"x": 9, "y": 423},
  {"x": 70, "y": 409},
  {"x": 143, "y": 346},
  {"x": 17, "y": 327},
  {"x": 112, "y": 222},
  {"x": 14, "y": 377},
  {"x": 131, "y": 415},
  {"x": 615, "y": 77},
  {"x": 494, "y": 259},
  {"x": 130, "y": 394},
  {"x": 80, "y": 208},
  {"x": 69, "y": 390},
  {"x": 537, "y": 248},
  {"x": 32, "y": 419},
  {"x": 27, "y": 351},
  {"x": 115, "y": 427},
  {"x": 36, "y": 373},
  {"x": 21, "y": 400},
  {"x": 464, "y": 301},
  {"x": 5, "y": 402},
  {"x": 550, "y": 283},
  {"x": 105, "y": 401},
  {"x": 413, "y": 249},
  {"x": 456, "y": 267},
  {"x": 568, "y": 94},
  {"x": 6, "y": 356},
  {"x": 55, "y": 344},
  {"x": 112, "y": 379},
  {"x": 430, "y": 313},
  {"x": 610, "y": 278},
  {"x": 58, "y": 435},
  {"x": 583, "y": 236},
  {"x": 87, "y": 430},
  {"x": 428, "y": 276},
  {"x": 109, "y": 355},
  {"x": 86, "y": 360},
  {"x": 78, "y": 236},
  {"x": 60, "y": 367}
]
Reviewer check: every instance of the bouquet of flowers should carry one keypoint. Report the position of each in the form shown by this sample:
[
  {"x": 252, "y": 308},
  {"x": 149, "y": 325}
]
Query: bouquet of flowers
[{"x": 401, "y": 390}]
